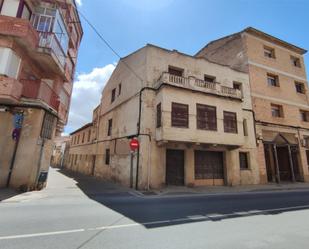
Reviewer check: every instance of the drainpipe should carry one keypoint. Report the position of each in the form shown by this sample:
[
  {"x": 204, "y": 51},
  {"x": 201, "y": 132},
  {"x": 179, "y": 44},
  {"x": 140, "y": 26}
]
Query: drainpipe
[
  {"x": 39, "y": 163},
  {"x": 139, "y": 131}
]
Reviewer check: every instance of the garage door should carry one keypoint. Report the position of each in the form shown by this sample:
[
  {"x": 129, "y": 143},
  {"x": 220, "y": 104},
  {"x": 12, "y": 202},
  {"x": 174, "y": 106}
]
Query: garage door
[{"x": 208, "y": 165}]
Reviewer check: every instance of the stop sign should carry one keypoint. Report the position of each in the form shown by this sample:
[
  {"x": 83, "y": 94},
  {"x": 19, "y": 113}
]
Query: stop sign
[{"x": 134, "y": 144}]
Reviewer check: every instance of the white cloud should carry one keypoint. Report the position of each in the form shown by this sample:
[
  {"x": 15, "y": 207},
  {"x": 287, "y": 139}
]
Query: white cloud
[
  {"x": 79, "y": 2},
  {"x": 86, "y": 96}
]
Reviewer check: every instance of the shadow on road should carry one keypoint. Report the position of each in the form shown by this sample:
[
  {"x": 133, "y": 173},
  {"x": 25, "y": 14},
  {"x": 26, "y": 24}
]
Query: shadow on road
[
  {"x": 166, "y": 211},
  {"x": 7, "y": 193}
]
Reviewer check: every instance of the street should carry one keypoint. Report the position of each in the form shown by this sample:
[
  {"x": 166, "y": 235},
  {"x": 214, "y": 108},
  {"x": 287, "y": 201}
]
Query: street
[{"x": 76, "y": 212}]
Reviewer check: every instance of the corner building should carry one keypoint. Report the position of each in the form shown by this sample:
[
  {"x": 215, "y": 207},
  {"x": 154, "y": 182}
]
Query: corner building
[
  {"x": 39, "y": 43},
  {"x": 279, "y": 90},
  {"x": 192, "y": 117}
]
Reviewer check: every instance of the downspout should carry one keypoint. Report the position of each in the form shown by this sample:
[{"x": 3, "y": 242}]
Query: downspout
[
  {"x": 139, "y": 131},
  {"x": 39, "y": 163}
]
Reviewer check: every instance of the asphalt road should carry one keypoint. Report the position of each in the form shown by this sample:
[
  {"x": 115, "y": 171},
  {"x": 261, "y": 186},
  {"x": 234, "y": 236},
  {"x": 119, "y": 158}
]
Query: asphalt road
[{"x": 76, "y": 213}]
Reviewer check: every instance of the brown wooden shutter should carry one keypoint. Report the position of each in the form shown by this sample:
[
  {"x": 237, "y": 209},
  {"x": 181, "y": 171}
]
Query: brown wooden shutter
[
  {"x": 206, "y": 117},
  {"x": 180, "y": 115},
  {"x": 159, "y": 115},
  {"x": 230, "y": 122}
]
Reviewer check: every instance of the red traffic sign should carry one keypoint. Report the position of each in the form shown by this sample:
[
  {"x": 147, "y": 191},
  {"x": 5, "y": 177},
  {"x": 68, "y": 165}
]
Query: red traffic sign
[{"x": 134, "y": 144}]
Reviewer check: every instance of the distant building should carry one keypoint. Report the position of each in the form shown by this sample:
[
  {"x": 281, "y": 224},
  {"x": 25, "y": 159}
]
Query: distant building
[
  {"x": 193, "y": 119},
  {"x": 39, "y": 41},
  {"x": 60, "y": 154}
]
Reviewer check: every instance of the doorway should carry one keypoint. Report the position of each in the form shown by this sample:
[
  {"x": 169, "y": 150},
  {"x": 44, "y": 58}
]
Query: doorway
[{"x": 175, "y": 167}]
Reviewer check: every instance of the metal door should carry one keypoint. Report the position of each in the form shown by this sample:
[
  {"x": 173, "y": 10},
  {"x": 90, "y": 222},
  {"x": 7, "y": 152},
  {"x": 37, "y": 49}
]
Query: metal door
[{"x": 174, "y": 167}]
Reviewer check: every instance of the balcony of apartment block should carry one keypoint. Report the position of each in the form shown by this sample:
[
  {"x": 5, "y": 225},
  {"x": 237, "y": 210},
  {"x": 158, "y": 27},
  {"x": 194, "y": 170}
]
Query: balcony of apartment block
[
  {"x": 167, "y": 133},
  {"x": 41, "y": 38},
  {"x": 40, "y": 92},
  {"x": 10, "y": 90},
  {"x": 195, "y": 84},
  {"x": 21, "y": 30}
]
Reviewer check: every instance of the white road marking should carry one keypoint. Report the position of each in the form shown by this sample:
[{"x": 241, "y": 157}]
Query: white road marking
[{"x": 265, "y": 211}]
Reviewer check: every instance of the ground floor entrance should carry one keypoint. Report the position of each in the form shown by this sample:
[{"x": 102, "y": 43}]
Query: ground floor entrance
[
  {"x": 208, "y": 165},
  {"x": 282, "y": 162},
  {"x": 175, "y": 167}
]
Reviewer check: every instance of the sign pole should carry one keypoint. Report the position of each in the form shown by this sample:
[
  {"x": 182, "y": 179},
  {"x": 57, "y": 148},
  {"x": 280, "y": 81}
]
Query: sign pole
[{"x": 131, "y": 169}]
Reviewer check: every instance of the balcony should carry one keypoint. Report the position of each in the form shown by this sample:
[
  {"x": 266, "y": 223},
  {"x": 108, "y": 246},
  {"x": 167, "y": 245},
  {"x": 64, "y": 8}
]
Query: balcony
[
  {"x": 199, "y": 85},
  {"x": 40, "y": 90},
  {"x": 20, "y": 29},
  {"x": 10, "y": 90}
]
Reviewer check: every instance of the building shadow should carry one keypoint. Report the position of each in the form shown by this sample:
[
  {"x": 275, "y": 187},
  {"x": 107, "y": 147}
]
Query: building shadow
[
  {"x": 156, "y": 211},
  {"x": 7, "y": 193}
]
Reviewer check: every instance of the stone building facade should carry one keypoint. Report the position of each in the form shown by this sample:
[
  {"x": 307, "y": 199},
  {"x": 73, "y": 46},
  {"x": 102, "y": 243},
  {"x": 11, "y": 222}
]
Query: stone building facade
[
  {"x": 279, "y": 94},
  {"x": 39, "y": 43},
  {"x": 193, "y": 119}
]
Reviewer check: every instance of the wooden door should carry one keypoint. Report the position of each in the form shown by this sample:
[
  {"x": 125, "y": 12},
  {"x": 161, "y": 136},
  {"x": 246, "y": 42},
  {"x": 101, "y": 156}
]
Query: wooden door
[{"x": 174, "y": 167}]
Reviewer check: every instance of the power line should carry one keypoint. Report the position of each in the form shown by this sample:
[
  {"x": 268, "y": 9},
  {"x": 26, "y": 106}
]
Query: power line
[{"x": 107, "y": 43}]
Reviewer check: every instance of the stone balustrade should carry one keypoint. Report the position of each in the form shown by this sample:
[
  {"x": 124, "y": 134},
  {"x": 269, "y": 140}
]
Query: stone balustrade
[{"x": 195, "y": 84}]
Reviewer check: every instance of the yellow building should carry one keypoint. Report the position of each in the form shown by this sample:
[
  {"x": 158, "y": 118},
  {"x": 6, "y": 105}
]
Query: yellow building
[{"x": 192, "y": 117}]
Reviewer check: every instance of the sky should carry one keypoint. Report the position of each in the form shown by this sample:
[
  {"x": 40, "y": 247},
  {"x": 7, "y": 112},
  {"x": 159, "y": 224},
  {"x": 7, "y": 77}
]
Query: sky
[{"x": 185, "y": 25}]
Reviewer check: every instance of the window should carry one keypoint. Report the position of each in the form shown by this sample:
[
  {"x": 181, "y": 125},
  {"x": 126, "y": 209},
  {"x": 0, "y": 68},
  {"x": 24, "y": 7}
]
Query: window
[
  {"x": 110, "y": 127},
  {"x": 300, "y": 87},
  {"x": 159, "y": 115},
  {"x": 75, "y": 159},
  {"x": 180, "y": 115},
  {"x": 245, "y": 127},
  {"x": 244, "y": 160},
  {"x": 89, "y": 134},
  {"x": 119, "y": 89},
  {"x": 83, "y": 139},
  {"x": 295, "y": 61},
  {"x": 113, "y": 95},
  {"x": 78, "y": 139},
  {"x": 276, "y": 111},
  {"x": 10, "y": 7},
  {"x": 272, "y": 80},
  {"x": 206, "y": 117},
  {"x": 238, "y": 86},
  {"x": 107, "y": 156},
  {"x": 230, "y": 122},
  {"x": 307, "y": 155},
  {"x": 9, "y": 63},
  {"x": 209, "y": 78},
  {"x": 48, "y": 126},
  {"x": 175, "y": 71},
  {"x": 269, "y": 52},
  {"x": 26, "y": 12},
  {"x": 304, "y": 116}
]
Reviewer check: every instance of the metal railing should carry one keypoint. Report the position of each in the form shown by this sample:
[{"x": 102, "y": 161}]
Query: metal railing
[
  {"x": 36, "y": 89},
  {"x": 49, "y": 40}
]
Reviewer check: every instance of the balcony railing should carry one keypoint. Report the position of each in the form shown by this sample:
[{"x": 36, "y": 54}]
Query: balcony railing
[
  {"x": 40, "y": 90},
  {"x": 199, "y": 85},
  {"x": 50, "y": 41},
  {"x": 10, "y": 89}
]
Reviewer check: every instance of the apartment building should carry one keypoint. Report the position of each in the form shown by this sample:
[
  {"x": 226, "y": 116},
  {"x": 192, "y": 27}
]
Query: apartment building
[
  {"x": 193, "y": 119},
  {"x": 279, "y": 93},
  {"x": 39, "y": 42}
]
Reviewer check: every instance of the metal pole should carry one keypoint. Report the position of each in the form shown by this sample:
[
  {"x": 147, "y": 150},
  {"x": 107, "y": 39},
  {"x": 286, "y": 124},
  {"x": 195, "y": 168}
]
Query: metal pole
[
  {"x": 131, "y": 169},
  {"x": 291, "y": 163},
  {"x": 276, "y": 162}
]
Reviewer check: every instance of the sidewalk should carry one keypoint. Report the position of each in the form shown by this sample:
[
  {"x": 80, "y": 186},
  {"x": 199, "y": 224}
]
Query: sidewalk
[{"x": 182, "y": 190}]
